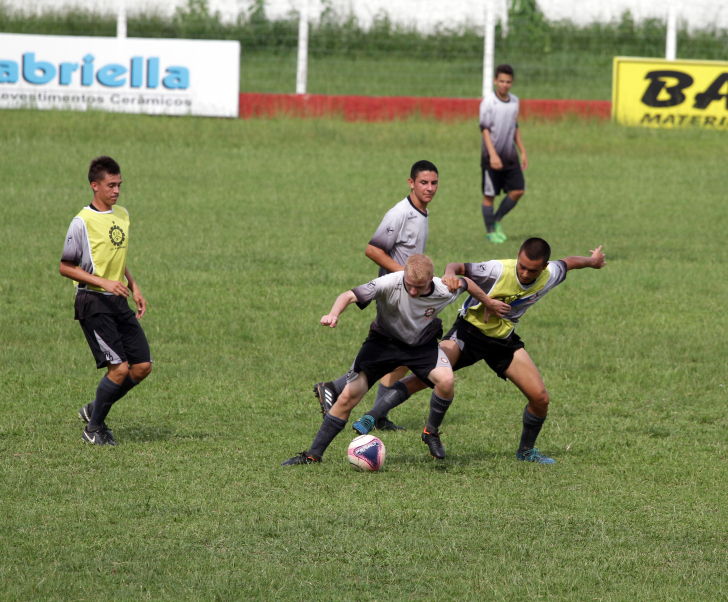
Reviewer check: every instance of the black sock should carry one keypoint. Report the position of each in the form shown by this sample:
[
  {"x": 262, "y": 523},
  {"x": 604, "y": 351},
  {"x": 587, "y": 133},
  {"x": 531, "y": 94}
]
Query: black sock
[
  {"x": 106, "y": 394},
  {"x": 330, "y": 427},
  {"x": 338, "y": 384},
  {"x": 531, "y": 428},
  {"x": 488, "y": 218},
  {"x": 128, "y": 384},
  {"x": 438, "y": 407},
  {"x": 394, "y": 396},
  {"x": 506, "y": 205}
]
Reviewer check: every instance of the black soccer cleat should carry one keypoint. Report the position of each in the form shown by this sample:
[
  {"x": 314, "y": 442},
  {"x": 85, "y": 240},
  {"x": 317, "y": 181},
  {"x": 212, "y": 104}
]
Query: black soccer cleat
[
  {"x": 432, "y": 440},
  {"x": 326, "y": 395},
  {"x": 385, "y": 424},
  {"x": 85, "y": 412},
  {"x": 100, "y": 437},
  {"x": 303, "y": 458}
]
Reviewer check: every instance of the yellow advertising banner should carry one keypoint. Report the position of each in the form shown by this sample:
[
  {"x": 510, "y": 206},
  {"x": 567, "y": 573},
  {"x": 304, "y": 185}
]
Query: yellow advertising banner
[{"x": 661, "y": 93}]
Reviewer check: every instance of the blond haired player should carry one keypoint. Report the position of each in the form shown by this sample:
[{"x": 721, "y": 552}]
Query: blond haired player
[{"x": 404, "y": 333}]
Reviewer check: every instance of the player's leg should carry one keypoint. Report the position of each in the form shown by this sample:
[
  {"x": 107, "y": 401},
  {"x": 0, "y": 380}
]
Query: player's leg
[
  {"x": 523, "y": 373},
  {"x": 125, "y": 334},
  {"x": 376, "y": 358},
  {"x": 401, "y": 391},
  {"x": 334, "y": 420},
  {"x": 103, "y": 338},
  {"x": 490, "y": 190},
  {"x": 515, "y": 185},
  {"x": 384, "y": 391},
  {"x": 441, "y": 399}
]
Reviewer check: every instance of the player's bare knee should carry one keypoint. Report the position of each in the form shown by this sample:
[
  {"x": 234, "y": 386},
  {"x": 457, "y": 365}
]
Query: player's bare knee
[
  {"x": 140, "y": 371},
  {"x": 118, "y": 371},
  {"x": 445, "y": 386},
  {"x": 516, "y": 194},
  {"x": 541, "y": 401}
]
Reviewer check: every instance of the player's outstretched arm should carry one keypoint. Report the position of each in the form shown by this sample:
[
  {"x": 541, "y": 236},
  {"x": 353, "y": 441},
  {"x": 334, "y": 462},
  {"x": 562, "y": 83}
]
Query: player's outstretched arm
[
  {"x": 596, "y": 261},
  {"x": 342, "y": 302},
  {"x": 383, "y": 260},
  {"x": 75, "y": 272},
  {"x": 136, "y": 294}
]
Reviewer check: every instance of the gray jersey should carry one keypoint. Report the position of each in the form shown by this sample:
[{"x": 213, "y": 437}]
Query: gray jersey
[
  {"x": 403, "y": 232},
  {"x": 500, "y": 118},
  {"x": 399, "y": 316}
]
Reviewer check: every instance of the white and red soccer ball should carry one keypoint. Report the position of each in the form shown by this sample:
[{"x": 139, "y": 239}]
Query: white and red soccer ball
[{"x": 367, "y": 452}]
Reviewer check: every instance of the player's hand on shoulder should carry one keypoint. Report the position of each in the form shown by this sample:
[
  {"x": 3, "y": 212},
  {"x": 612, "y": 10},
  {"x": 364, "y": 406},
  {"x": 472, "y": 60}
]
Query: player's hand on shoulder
[
  {"x": 330, "y": 320},
  {"x": 598, "y": 258},
  {"x": 453, "y": 283},
  {"x": 117, "y": 288}
]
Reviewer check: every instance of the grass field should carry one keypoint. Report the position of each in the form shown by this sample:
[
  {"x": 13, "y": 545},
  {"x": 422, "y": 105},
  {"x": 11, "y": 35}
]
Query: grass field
[{"x": 243, "y": 233}]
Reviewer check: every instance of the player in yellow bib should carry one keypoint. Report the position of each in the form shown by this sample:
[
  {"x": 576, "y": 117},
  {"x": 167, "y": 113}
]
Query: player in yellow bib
[
  {"x": 94, "y": 257},
  {"x": 479, "y": 335}
]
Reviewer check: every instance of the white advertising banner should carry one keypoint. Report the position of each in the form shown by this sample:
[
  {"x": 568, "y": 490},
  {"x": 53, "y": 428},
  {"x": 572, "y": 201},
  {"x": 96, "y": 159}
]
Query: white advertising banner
[{"x": 129, "y": 75}]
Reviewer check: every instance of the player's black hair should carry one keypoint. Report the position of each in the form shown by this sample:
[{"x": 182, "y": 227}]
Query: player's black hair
[
  {"x": 100, "y": 166},
  {"x": 422, "y": 166},
  {"x": 535, "y": 249},
  {"x": 507, "y": 69}
]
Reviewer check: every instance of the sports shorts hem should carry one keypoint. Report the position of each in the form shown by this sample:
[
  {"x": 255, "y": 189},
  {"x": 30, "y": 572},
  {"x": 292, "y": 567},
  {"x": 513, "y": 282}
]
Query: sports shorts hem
[
  {"x": 496, "y": 180},
  {"x": 381, "y": 355},
  {"x": 475, "y": 346}
]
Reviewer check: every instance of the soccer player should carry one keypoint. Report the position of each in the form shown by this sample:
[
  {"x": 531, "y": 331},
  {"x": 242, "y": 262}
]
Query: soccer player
[
  {"x": 404, "y": 333},
  {"x": 403, "y": 232},
  {"x": 94, "y": 256},
  {"x": 499, "y": 159},
  {"x": 478, "y": 334}
]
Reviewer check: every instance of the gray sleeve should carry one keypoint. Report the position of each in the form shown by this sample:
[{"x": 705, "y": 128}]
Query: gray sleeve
[
  {"x": 557, "y": 274},
  {"x": 365, "y": 293},
  {"x": 386, "y": 235},
  {"x": 486, "y": 115},
  {"x": 76, "y": 242},
  {"x": 485, "y": 274}
]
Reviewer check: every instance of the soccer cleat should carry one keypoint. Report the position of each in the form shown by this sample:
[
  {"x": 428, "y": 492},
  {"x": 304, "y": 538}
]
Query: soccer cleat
[
  {"x": 500, "y": 233},
  {"x": 433, "y": 442},
  {"x": 100, "y": 437},
  {"x": 533, "y": 455},
  {"x": 493, "y": 237},
  {"x": 364, "y": 424},
  {"x": 109, "y": 435},
  {"x": 326, "y": 396},
  {"x": 85, "y": 412},
  {"x": 385, "y": 424},
  {"x": 302, "y": 458}
]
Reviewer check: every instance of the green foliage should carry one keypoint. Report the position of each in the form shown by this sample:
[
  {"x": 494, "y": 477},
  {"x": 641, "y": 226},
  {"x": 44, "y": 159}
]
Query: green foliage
[
  {"x": 552, "y": 59},
  {"x": 244, "y": 233}
]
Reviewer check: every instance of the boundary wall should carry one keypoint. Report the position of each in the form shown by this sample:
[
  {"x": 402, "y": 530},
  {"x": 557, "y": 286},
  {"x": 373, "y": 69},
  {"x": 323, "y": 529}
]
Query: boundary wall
[{"x": 388, "y": 108}]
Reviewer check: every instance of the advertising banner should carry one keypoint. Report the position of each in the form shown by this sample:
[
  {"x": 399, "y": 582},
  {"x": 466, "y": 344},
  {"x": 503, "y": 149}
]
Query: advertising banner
[
  {"x": 661, "y": 93},
  {"x": 129, "y": 75}
]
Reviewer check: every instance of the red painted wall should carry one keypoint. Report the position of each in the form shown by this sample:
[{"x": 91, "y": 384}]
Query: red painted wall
[{"x": 387, "y": 108}]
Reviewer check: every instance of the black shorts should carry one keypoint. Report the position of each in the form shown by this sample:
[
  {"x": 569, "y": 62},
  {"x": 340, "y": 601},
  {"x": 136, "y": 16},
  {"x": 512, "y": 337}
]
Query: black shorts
[
  {"x": 496, "y": 180},
  {"x": 380, "y": 355},
  {"x": 114, "y": 336},
  {"x": 475, "y": 346}
]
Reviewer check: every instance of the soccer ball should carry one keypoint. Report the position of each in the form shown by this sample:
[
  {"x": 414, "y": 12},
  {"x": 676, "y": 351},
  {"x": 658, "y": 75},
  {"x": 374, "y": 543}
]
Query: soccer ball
[{"x": 367, "y": 452}]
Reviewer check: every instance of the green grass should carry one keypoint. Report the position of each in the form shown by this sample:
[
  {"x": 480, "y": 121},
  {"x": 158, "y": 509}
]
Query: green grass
[{"x": 243, "y": 233}]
